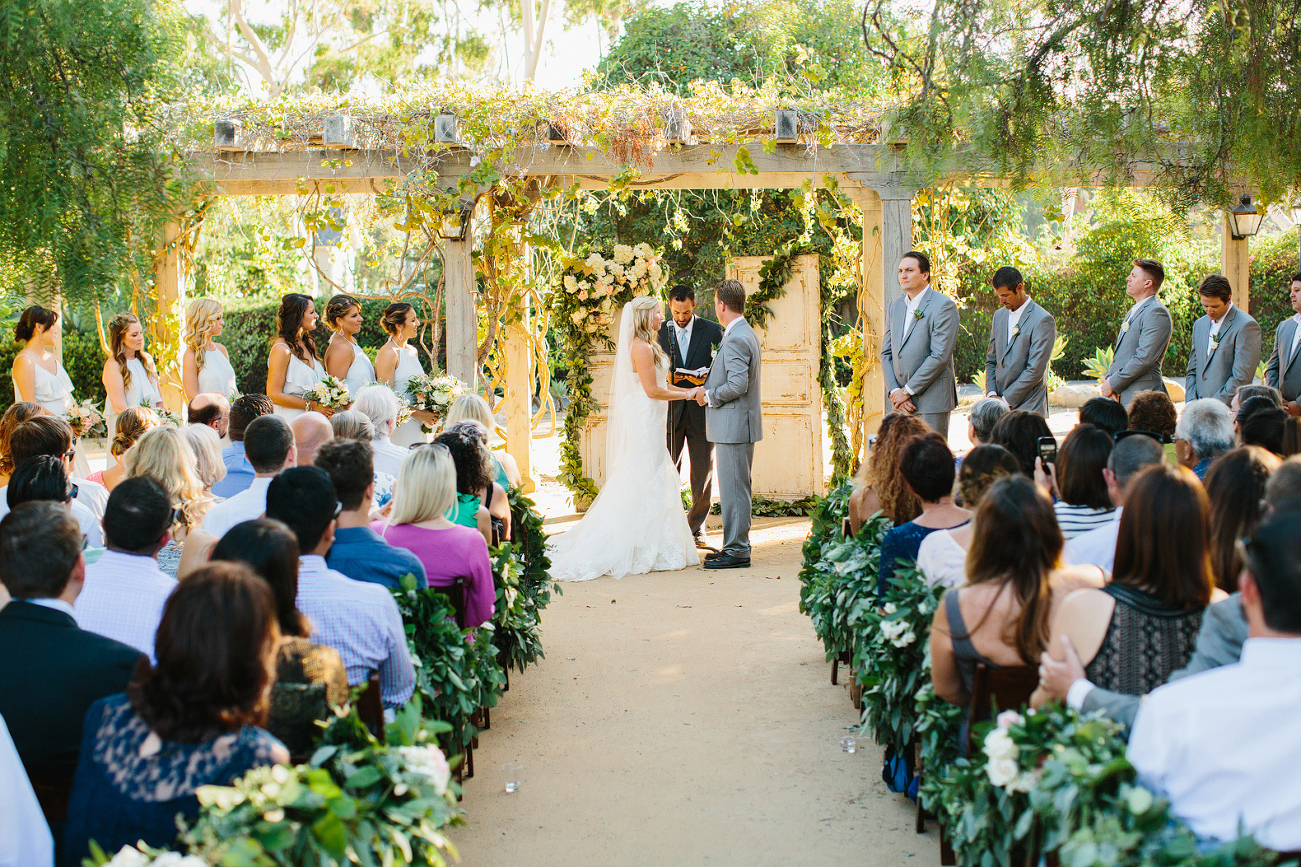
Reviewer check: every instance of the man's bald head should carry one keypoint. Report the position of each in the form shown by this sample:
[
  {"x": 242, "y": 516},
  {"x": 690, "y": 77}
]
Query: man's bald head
[
  {"x": 211, "y": 409},
  {"x": 311, "y": 431}
]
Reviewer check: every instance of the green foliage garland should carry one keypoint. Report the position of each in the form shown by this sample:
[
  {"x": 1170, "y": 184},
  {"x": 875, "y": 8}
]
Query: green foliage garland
[{"x": 524, "y": 587}]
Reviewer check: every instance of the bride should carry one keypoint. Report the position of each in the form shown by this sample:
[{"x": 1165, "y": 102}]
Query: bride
[{"x": 637, "y": 523}]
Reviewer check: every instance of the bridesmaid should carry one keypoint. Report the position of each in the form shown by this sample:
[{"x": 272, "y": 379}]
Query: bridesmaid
[
  {"x": 292, "y": 369},
  {"x": 130, "y": 377},
  {"x": 344, "y": 358},
  {"x": 206, "y": 366},
  {"x": 396, "y": 363},
  {"x": 39, "y": 377}
]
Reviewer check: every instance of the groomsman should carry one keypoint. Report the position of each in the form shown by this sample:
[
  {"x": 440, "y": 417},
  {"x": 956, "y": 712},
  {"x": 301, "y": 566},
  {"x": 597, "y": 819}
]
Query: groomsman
[
  {"x": 1226, "y": 345},
  {"x": 921, "y": 330},
  {"x": 1143, "y": 338},
  {"x": 689, "y": 342},
  {"x": 1020, "y": 346},
  {"x": 1283, "y": 372}
]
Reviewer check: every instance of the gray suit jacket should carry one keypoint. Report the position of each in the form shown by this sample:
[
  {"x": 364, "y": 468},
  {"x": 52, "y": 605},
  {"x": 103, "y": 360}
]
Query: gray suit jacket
[
  {"x": 736, "y": 414},
  {"x": 1284, "y": 375},
  {"x": 1233, "y": 363},
  {"x": 1219, "y": 642},
  {"x": 1018, "y": 371},
  {"x": 1140, "y": 352},
  {"x": 923, "y": 359}
]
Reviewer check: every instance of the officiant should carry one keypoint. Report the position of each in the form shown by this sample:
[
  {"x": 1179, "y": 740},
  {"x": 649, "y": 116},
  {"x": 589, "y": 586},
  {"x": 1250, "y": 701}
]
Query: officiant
[{"x": 690, "y": 342}]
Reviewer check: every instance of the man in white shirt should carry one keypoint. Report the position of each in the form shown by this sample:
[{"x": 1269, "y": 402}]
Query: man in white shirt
[
  {"x": 1098, "y": 547},
  {"x": 1246, "y": 783},
  {"x": 380, "y": 405},
  {"x": 1283, "y": 372},
  {"x": 125, "y": 590},
  {"x": 358, "y": 619},
  {"x": 51, "y": 435},
  {"x": 311, "y": 431},
  {"x": 269, "y": 447}
]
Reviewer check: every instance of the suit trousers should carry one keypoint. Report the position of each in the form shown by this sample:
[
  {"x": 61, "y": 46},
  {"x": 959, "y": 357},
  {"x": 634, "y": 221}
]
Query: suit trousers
[
  {"x": 938, "y": 421},
  {"x": 702, "y": 468},
  {"x": 734, "y": 463}
]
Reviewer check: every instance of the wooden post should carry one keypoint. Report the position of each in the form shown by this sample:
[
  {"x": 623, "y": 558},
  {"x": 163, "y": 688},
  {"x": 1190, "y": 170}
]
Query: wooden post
[
  {"x": 519, "y": 386},
  {"x": 462, "y": 320},
  {"x": 1234, "y": 265},
  {"x": 167, "y": 327}
]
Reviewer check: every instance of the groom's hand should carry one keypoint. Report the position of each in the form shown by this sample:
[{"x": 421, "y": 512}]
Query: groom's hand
[{"x": 701, "y": 398}]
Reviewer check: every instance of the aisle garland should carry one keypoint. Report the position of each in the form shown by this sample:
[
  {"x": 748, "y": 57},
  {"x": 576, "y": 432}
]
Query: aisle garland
[{"x": 524, "y": 586}]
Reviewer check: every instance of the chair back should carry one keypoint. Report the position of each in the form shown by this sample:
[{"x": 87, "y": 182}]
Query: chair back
[
  {"x": 995, "y": 688},
  {"x": 455, "y": 593},
  {"x": 370, "y": 707}
]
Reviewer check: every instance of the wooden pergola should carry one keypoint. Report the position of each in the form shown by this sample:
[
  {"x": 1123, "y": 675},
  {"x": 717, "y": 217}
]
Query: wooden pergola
[{"x": 875, "y": 177}]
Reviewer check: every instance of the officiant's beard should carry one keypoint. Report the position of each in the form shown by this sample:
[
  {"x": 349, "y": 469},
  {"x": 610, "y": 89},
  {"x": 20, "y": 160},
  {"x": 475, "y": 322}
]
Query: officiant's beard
[{"x": 682, "y": 312}]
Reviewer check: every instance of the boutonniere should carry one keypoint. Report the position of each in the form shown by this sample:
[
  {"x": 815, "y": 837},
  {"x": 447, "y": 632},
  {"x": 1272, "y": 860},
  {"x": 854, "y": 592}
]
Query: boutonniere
[
  {"x": 917, "y": 314},
  {"x": 1016, "y": 331},
  {"x": 1124, "y": 327},
  {"x": 1215, "y": 343}
]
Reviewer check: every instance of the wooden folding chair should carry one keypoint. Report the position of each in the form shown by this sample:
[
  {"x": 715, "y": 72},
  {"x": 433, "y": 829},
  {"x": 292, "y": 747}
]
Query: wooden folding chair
[{"x": 370, "y": 707}]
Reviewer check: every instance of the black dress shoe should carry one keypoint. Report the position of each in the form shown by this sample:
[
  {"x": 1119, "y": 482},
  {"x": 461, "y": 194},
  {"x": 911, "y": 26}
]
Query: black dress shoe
[{"x": 727, "y": 561}]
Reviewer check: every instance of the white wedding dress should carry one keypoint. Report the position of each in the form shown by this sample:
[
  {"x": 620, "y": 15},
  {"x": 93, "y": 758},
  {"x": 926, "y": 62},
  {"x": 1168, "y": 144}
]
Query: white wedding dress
[{"x": 637, "y": 523}]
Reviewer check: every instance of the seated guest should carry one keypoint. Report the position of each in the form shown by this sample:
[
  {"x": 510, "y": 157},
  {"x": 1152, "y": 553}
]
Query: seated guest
[
  {"x": 1236, "y": 486},
  {"x": 1105, "y": 414},
  {"x": 358, "y": 619},
  {"x": 1262, "y": 427},
  {"x": 358, "y": 551},
  {"x": 25, "y": 838},
  {"x": 1001, "y": 615},
  {"x": 125, "y": 589},
  {"x": 269, "y": 447},
  {"x": 879, "y": 485},
  {"x": 40, "y": 479},
  {"x": 310, "y": 678},
  {"x": 47, "y": 435},
  {"x": 494, "y": 495},
  {"x": 1249, "y": 407},
  {"x": 472, "y": 407},
  {"x": 1141, "y": 626},
  {"x": 210, "y": 409},
  {"x": 352, "y": 425},
  {"x": 239, "y": 472},
  {"x": 927, "y": 467},
  {"x": 1246, "y": 392},
  {"x": 53, "y": 670},
  {"x": 1291, "y": 437},
  {"x": 985, "y": 413},
  {"x": 1019, "y": 431},
  {"x": 1225, "y": 787},
  {"x": 1283, "y": 490},
  {"x": 19, "y": 412},
  {"x": 380, "y": 405},
  {"x": 425, "y": 491},
  {"x": 194, "y": 719},
  {"x": 164, "y": 455},
  {"x": 1204, "y": 432},
  {"x": 209, "y": 465},
  {"x": 942, "y": 557},
  {"x": 473, "y": 479},
  {"x": 132, "y": 424},
  {"x": 311, "y": 429},
  {"x": 1083, "y": 501},
  {"x": 1153, "y": 411},
  {"x": 1098, "y": 547}
]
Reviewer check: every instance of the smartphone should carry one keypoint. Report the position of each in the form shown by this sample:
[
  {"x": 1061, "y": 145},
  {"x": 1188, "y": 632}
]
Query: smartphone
[{"x": 1048, "y": 449}]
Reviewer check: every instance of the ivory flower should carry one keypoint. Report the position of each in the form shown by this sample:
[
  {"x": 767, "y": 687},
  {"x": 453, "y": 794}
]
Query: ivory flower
[
  {"x": 622, "y": 254},
  {"x": 999, "y": 745},
  {"x": 571, "y": 284},
  {"x": 1001, "y": 771}
]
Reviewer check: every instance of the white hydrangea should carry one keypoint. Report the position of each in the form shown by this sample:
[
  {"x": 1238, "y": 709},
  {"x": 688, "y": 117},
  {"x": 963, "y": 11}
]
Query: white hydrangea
[
  {"x": 898, "y": 632},
  {"x": 623, "y": 254},
  {"x": 571, "y": 284},
  {"x": 429, "y": 762},
  {"x": 595, "y": 262},
  {"x": 890, "y": 608},
  {"x": 643, "y": 250}
]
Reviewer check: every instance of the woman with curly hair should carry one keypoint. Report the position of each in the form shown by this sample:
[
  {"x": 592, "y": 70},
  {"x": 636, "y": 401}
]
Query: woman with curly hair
[
  {"x": 292, "y": 368},
  {"x": 13, "y": 416},
  {"x": 193, "y": 719},
  {"x": 344, "y": 359},
  {"x": 129, "y": 377},
  {"x": 879, "y": 485},
  {"x": 164, "y": 454},
  {"x": 205, "y": 368},
  {"x": 131, "y": 425}
]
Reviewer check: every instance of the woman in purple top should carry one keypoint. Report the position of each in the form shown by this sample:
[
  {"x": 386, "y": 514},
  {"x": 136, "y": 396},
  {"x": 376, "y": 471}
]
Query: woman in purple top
[{"x": 425, "y": 489}]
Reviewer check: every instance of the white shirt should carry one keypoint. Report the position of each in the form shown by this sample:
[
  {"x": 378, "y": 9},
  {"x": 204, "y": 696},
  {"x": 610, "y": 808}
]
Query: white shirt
[
  {"x": 123, "y": 599},
  {"x": 25, "y": 839},
  {"x": 86, "y": 519},
  {"x": 942, "y": 560},
  {"x": 244, "y": 506},
  {"x": 1248, "y": 778},
  {"x": 93, "y": 496},
  {"x": 388, "y": 457},
  {"x": 1215, "y": 330},
  {"x": 1296, "y": 336},
  {"x": 1014, "y": 317},
  {"x": 910, "y": 309},
  {"x": 1094, "y": 548},
  {"x": 1133, "y": 311}
]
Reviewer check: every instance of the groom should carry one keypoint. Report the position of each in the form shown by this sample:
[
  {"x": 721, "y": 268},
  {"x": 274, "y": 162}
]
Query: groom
[{"x": 733, "y": 421}]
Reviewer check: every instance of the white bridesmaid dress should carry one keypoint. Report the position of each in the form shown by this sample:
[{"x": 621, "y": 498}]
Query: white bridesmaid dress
[
  {"x": 217, "y": 376},
  {"x": 299, "y": 379},
  {"x": 142, "y": 391},
  {"x": 54, "y": 392},
  {"x": 361, "y": 373},
  {"x": 409, "y": 433}
]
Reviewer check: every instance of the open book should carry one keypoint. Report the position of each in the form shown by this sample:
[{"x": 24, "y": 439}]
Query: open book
[{"x": 695, "y": 377}]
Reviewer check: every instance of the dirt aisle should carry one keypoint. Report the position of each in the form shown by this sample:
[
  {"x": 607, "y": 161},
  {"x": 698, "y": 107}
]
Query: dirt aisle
[{"x": 684, "y": 717}]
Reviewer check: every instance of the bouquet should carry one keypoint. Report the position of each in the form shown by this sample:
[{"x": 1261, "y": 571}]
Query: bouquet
[
  {"x": 145, "y": 856},
  {"x": 330, "y": 392},
  {"x": 84, "y": 417},
  {"x": 172, "y": 418},
  {"x": 434, "y": 394}
]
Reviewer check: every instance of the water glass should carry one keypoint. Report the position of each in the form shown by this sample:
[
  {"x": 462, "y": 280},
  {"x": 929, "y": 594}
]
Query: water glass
[
  {"x": 512, "y": 774},
  {"x": 849, "y": 744}
]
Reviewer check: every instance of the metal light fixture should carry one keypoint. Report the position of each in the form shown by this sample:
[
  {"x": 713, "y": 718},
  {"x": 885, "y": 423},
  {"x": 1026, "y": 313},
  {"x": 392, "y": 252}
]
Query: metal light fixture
[
  {"x": 1244, "y": 221},
  {"x": 456, "y": 223}
]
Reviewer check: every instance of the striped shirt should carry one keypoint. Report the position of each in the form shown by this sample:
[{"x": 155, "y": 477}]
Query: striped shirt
[
  {"x": 1075, "y": 520},
  {"x": 362, "y": 622},
  {"x": 123, "y": 599}
]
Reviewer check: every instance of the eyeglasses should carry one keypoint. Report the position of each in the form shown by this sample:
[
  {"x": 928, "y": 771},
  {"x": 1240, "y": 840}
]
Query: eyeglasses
[
  {"x": 70, "y": 454},
  {"x": 1161, "y": 438},
  {"x": 338, "y": 509},
  {"x": 72, "y": 493}
]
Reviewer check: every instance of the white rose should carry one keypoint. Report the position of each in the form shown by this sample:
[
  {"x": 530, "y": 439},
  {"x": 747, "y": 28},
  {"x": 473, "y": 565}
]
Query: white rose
[
  {"x": 890, "y": 608},
  {"x": 999, "y": 745},
  {"x": 1024, "y": 782},
  {"x": 906, "y": 639},
  {"x": 576, "y": 317},
  {"x": 1001, "y": 771},
  {"x": 128, "y": 856},
  {"x": 571, "y": 283}
]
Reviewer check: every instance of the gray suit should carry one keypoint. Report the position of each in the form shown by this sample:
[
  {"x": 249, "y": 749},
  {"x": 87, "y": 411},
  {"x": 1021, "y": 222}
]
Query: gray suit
[
  {"x": 734, "y": 423},
  {"x": 921, "y": 360},
  {"x": 1018, "y": 371},
  {"x": 1283, "y": 372},
  {"x": 1231, "y": 364},
  {"x": 1140, "y": 350},
  {"x": 1219, "y": 642}
]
